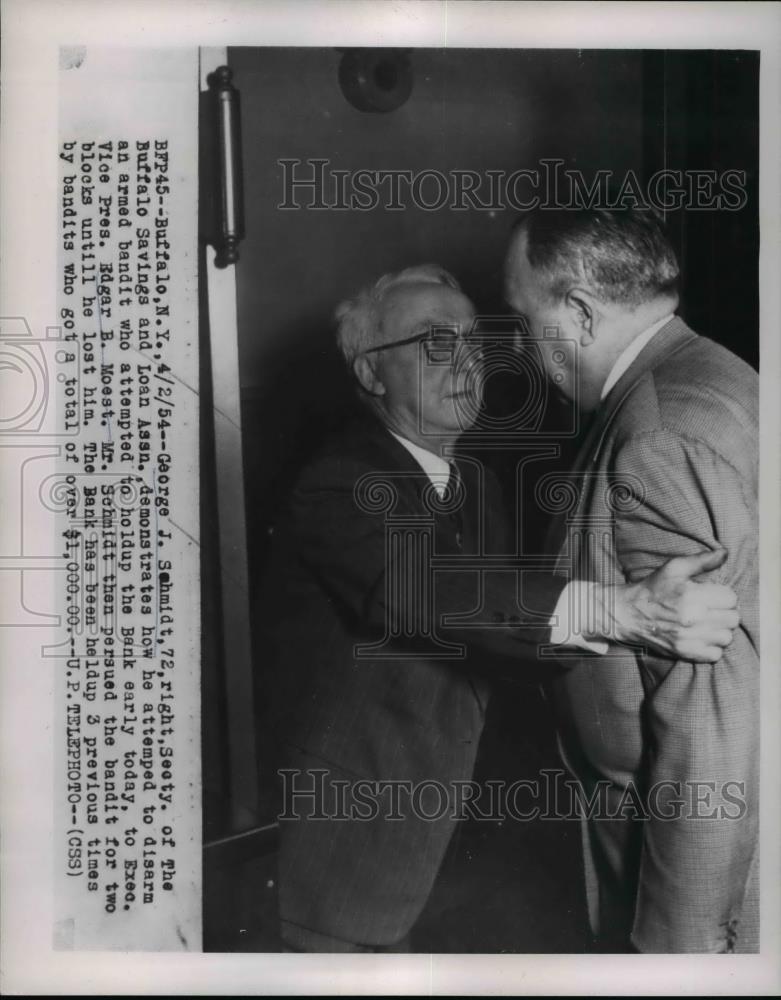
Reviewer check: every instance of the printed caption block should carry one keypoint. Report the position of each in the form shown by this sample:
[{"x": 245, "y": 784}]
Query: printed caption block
[{"x": 125, "y": 492}]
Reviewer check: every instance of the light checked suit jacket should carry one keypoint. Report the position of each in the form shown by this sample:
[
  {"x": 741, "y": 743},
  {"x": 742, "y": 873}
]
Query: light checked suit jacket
[{"x": 669, "y": 467}]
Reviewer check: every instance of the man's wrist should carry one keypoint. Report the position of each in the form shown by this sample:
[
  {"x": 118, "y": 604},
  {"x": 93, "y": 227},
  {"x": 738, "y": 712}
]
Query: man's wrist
[
  {"x": 598, "y": 612},
  {"x": 576, "y": 617}
]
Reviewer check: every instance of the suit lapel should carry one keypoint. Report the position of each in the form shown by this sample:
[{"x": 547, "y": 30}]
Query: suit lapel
[
  {"x": 411, "y": 481},
  {"x": 672, "y": 337},
  {"x": 390, "y": 457}
]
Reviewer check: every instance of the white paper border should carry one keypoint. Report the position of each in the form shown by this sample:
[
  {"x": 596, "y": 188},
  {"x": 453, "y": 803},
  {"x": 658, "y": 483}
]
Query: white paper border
[{"x": 32, "y": 33}]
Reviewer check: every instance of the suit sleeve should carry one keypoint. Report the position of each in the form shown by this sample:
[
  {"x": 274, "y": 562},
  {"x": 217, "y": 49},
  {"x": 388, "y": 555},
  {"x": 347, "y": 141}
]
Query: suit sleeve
[
  {"x": 378, "y": 580},
  {"x": 702, "y": 720}
]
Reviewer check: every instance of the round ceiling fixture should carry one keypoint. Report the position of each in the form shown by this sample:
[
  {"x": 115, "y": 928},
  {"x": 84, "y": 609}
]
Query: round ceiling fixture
[{"x": 376, "y": 80}]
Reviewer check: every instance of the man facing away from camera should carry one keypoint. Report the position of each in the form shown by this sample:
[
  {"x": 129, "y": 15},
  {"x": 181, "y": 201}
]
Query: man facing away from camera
[
  {"x": 372, "y": 687},
  {"x": 674, "y": 416}
]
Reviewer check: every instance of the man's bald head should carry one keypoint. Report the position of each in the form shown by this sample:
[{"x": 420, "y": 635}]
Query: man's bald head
[
  {"x": 623, "y": 256},
  {"x": 594, "y": 279}
]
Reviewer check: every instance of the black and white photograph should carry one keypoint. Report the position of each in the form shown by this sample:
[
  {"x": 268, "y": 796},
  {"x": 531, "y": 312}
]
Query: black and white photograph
[
  {"x": 391, "y": 484},
  {"x": 497, "y": 326}
]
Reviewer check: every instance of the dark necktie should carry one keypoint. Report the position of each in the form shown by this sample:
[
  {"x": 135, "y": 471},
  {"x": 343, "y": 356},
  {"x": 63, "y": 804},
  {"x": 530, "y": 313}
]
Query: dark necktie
[{"x": 453, "y": 495}]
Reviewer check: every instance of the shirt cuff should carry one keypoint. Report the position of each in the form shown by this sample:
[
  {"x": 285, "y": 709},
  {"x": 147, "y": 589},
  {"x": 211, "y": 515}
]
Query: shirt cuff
[{"x": 564, "y": 630}]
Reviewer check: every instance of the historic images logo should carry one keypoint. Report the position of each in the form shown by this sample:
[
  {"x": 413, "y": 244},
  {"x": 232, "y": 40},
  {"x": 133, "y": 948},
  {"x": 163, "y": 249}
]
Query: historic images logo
[
  {"x": 315, "y": 794},
  {"x": 313, "y": 184}
]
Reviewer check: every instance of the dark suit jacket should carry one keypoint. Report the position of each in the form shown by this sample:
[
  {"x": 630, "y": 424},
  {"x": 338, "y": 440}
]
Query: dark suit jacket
[
  {"x": 411, "y": 709},
  {"x": 668, "y": 468}
]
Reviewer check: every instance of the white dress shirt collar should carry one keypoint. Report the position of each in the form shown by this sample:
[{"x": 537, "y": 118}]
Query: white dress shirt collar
[
  {"x": 630, "y": 352},
  {"x": 436, "y": 468}
]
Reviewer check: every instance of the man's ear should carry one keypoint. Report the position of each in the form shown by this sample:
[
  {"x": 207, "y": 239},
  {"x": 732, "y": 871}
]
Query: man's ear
[
  {"x": 367, "y": 377},
  {"x": 583, "y": 310}
]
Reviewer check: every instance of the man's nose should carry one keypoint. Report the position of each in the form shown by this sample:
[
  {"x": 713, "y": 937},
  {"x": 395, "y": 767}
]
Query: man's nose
[
  {"x": 521, "y": 338},
  {"x": 470, "y": 354}
]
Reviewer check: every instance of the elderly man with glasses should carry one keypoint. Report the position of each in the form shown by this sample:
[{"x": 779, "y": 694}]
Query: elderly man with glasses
[{"x": 393, "y": 602}]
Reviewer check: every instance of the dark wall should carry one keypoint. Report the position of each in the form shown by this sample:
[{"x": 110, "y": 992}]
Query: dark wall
[
  {"x": 701, "y": 113},
  {"x": 469, "y": 109},
  {"x": 476, "y": 110}
]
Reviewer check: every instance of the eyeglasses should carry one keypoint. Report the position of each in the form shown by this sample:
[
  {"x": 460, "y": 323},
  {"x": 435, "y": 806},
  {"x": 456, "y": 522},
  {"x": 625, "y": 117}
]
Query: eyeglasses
[{"x": 439, "y": 344}]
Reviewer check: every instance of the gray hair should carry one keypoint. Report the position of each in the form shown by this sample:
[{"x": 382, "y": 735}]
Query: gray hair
[{"x": 359, "y": 320}]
